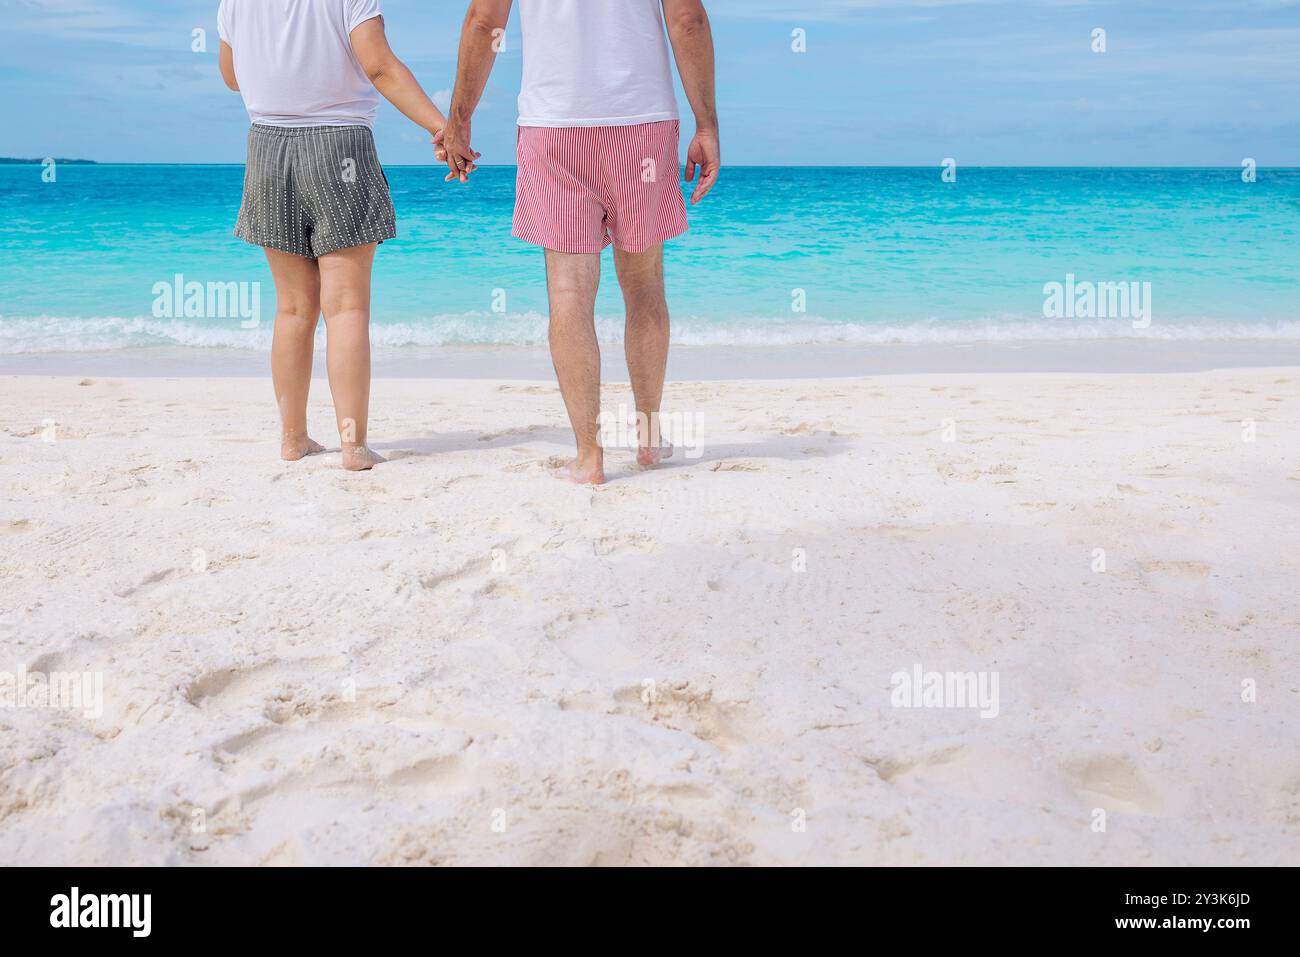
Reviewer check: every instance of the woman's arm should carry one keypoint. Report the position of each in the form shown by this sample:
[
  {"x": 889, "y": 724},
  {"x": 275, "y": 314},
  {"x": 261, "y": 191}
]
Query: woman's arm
[
  {"x": 391, "y": 77},
  {"x": 228, "y": 66}
]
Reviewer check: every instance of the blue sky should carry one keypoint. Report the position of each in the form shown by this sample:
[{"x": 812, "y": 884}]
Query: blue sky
[{"x": 883, "y": 82}]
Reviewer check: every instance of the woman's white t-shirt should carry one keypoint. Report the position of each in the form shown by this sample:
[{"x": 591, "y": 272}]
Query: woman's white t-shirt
[
  {"x": 294, "y": 60},
  {"x": 595, "y": 63}
]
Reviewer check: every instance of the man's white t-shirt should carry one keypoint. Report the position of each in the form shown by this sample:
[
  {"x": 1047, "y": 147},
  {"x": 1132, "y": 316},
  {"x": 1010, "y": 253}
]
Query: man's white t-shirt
[
  {"x": 595, "y": 63},
  {"x": 294, "y": 60}
]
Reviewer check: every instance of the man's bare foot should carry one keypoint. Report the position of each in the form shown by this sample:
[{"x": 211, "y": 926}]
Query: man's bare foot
[
  {"x": 295, "y": 447},
  {"x": 582, "y": 472},
  {"x": 359, "y": 458},
  {"x": 648, "y": 458}
]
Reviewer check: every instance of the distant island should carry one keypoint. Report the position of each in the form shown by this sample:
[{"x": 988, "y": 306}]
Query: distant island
[{"x": 15, "y": 161}]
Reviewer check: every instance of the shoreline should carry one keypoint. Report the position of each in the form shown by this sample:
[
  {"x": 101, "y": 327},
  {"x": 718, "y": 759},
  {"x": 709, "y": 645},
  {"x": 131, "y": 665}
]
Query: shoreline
[{"x": 708, "y": 363}]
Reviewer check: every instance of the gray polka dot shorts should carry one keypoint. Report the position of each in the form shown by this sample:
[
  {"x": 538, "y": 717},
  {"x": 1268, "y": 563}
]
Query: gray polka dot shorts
[{"x": 313, "y": 190}]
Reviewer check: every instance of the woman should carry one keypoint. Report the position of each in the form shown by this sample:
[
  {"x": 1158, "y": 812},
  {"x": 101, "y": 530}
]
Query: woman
[{"x": 315, "y": 197}]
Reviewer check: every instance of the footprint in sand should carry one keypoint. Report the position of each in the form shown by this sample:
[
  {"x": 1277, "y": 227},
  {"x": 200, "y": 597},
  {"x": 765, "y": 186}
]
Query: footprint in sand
[
  {"x": 527, "y": 390},
  {"x": 339, "y": 747},
  {"x": 681, "y": 706},
  {"x": 1113, "y": 782},
  {"x": 631, "y": 542},
  {"x": 1186, "y": 570},
  {"x": 214, "y": 688},
  {"x": 534, "y": 465}
]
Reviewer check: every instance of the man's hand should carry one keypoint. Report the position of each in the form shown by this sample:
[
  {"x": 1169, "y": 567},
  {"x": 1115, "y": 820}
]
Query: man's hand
[
  {"x": 453, "y": 147},
  {"x": 692, "y": 39},
  {"x": 485, "y": 24},
  {"x": 704, "y": 153}
]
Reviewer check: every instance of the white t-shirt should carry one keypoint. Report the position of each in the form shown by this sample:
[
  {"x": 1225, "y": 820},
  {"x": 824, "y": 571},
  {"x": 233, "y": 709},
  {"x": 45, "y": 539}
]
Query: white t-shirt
[
  {"x": 595, "y": 63},
  {"x": 294, "y": 60}
]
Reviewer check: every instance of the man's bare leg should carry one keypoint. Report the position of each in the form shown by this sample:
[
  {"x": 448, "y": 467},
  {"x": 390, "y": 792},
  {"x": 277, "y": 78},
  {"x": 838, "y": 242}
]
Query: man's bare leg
[
  {"x": 571, "y": 283},
  {"x": 645, "y": 341},
  {"x": 297, "y": 310},
  {"x": 345, "y": 300}
]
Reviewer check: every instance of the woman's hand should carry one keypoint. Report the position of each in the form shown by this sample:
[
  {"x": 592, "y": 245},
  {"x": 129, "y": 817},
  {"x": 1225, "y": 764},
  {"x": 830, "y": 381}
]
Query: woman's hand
[
  {"x": 439, "y": 151},
  {"x": 452, "y": 146}
]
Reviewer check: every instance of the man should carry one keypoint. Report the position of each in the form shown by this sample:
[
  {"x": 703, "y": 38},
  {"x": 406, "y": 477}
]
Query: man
[{"x": 597, "y": 141}]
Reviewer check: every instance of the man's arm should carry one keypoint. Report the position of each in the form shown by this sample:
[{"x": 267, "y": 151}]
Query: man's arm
[
  {"x": 480, "y": 38},
  {"x": 692, "y": 40},
  {"x": 391, "y": 77},
  {"x": 227, "y": 60}
]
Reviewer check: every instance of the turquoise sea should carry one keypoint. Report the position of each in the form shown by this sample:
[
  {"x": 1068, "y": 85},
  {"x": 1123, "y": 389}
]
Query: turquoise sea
[{"x": 870, "y": 254}]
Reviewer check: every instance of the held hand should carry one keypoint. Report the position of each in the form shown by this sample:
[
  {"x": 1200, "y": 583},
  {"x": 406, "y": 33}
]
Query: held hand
[
  {"x": 439, "y": 151},
  {"x": 704, "y": 153},
  {"x": 457, "y": 152}
]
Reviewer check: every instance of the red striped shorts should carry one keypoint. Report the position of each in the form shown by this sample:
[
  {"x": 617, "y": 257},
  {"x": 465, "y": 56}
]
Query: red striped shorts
[{"x": 579, "y": 188}]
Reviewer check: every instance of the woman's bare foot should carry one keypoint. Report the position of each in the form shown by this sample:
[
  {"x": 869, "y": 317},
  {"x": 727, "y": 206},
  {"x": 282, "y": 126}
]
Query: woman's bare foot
[
  {"x": 648, "y": 458},
  {"x": 295, "y": 447},
  {"x": 583, "y": 471},
  {"x": 359, "y": 458}
]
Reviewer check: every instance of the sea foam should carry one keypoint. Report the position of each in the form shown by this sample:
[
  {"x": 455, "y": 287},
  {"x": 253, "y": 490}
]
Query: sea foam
[{"x": 61, "y": 334}]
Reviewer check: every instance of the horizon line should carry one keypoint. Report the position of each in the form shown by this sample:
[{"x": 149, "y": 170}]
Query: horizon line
[{"x": 80, "y": 161}]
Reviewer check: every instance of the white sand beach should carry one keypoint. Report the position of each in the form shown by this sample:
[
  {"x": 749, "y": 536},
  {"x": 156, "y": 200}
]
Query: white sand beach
[{"x": 456, "y": 659}]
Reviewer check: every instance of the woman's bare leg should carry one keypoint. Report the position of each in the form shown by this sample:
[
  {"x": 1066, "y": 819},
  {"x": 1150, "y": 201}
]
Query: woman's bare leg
[
  {"x": 345, "y": 300},
  {"x": 297, "y": 309}
]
